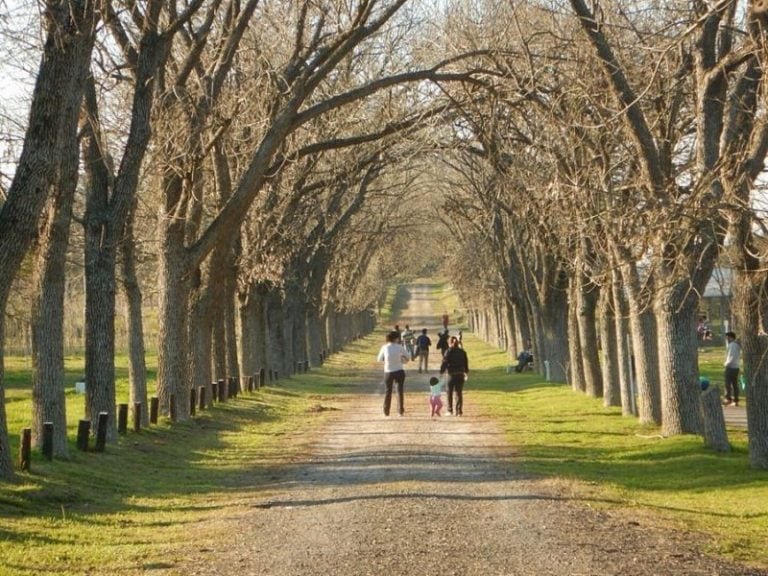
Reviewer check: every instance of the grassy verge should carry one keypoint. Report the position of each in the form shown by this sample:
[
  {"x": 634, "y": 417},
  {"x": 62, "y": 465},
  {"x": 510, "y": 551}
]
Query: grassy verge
[
  {"x": 612, "y": 461},
  {"x": 132, "y": 509}
]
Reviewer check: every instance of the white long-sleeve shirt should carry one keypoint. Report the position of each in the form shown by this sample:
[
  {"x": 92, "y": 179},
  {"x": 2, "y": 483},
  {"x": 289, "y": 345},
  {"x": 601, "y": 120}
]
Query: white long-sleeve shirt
[
  {"x": 732, "y": 354},
  {"x": 394, "y": 356}
]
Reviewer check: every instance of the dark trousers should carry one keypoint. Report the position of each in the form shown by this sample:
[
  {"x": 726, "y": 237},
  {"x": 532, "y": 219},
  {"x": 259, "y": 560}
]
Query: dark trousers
[
  {"x": 732, "y": 385},
  {"x": 456, "y": 386},
  {"x": 390, "y": 378}
]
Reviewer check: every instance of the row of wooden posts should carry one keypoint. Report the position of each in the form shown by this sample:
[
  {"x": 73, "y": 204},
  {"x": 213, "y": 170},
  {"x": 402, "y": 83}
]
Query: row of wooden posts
[{"x": 221, "y": 390}]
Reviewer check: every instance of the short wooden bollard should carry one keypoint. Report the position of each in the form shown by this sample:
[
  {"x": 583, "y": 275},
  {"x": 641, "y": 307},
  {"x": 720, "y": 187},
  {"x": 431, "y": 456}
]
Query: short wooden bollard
[
  {"x": 154, "y": 408},
  {"x": 234, "y": 387},
  {"x": 47, "y": 447},
  {"x": 277, "y": 376},
  {"x": 214, "y": 391},
  {"x": 201, "y": 395},
  {"x": 25, "y": 453},
  {"x": 137, "y": 416},
  {"x": 101, "y": 432},
  {"x": 172, "y": 407},
  {"x": 262, "y": 377},
  {"x": 249, "y": 383},
  {"x": 321, "y": 357},
  {"x": 192, "y": 401},
  {"x": 122, "y": 418},
  {"x": 306, "y": 366},
  {"x": 83, "y": 433}
]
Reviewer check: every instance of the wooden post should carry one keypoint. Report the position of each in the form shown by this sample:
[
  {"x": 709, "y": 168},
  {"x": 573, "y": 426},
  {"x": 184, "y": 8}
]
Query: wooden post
[
  {"x": 201, "y": 404},
  {"x": 154, "y": 408},
  {"x": 101, "y": 432},
  {"x": 306, "y": 366},
  {"x": 214, "y": 392},
  {"x": 83, "y": 432},
  {"x": 192, "y": 401},
  {"x": 48, "y": 440},
  {"x": 172, "y": 407},
  {"x": 262, "y": 377},
  {"x": 277, "y": 376},
  {"x": 122, "y": 418},
  {"x": 271, "y": 375},
  {"x": 222, "y": 391},
  {"x": 25, "y": 454},
  {"x": 137, "y": 416}
]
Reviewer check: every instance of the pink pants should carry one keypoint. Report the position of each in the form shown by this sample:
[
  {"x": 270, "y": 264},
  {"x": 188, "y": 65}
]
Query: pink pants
[{"x": 436, "y": 402}]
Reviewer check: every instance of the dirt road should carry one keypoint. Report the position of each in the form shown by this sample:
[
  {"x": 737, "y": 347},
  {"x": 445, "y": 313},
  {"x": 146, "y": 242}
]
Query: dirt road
[{"x": 418, "y": 496}]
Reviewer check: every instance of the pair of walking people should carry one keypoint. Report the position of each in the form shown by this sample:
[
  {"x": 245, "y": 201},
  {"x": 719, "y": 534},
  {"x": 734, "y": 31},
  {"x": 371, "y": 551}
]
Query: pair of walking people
[{"x": 394, "y": 356}]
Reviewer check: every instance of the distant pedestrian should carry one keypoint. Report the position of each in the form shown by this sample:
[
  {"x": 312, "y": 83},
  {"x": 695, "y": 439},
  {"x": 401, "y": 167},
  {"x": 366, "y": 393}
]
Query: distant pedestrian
[
  {"x": 442, "y": 343},
  {"x": 435, "y": 396},
  {"x": 732, "y": 355},
  {"x": 409, "y": 341},
  {"x": 422, "y": 350},
  {"x": 394, "y": 356},
  {"x": 445, "y": 321},
  {"x": 456, "y": 364}
]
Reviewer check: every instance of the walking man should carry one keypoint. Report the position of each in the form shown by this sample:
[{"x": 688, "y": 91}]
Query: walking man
[
  {"x": 456, "y": 364},
  {"x": 422, "y": 349}
]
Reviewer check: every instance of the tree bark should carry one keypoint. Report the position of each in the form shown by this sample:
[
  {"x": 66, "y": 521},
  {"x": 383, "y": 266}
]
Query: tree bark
[
  {"x": 48, "y": 399},
  {"x": 70, "y": 34},
  {"x": 676, "y": 311},
  {"x": 610, "y": 357},
  {"x": 137, "y": 367}
]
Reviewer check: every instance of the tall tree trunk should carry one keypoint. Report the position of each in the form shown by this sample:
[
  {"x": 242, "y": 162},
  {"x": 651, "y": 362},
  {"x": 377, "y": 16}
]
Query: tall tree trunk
[
  {"x": 172, "y": 377},
  {"x": 610, "y": 357},
  {"x": 621, "y": 310},
  {"x": 314, "y": 335},
  {"x": 676, "y": 311},
  {"x": 587, "y": 297},
  {"x": 137, "y": 367},
  {"x": 70, "y": 32},
  {"x": 575, "y": 357},
  {"x": 253, "y": 329},
  {"x": 750, "y": 306},
  {"x": 230, "y": 321},
  {"x": 276, "y": 339},
  {"x": 48, "y": 400},
  {"x": 554, "y": 322}
]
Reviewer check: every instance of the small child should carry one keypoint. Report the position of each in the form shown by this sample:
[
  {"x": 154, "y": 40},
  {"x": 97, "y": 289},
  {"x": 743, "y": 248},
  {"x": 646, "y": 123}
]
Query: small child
[{"x": 435, "y": 395}]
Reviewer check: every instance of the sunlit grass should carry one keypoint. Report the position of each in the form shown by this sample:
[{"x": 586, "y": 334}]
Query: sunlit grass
[{"x": 617, "y": 462}]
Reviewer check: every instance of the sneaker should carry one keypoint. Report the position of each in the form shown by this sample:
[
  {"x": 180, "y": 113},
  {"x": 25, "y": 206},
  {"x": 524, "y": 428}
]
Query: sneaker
[{"x": 727, "y": 403}]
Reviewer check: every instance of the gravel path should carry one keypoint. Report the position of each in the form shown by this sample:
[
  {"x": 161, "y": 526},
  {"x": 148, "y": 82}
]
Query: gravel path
[{"x": 431, "y": 497}]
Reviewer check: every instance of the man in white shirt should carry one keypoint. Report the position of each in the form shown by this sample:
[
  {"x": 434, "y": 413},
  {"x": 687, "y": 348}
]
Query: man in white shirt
[
  {"x": 732, "y": 354},
  {"x": 394, "y": 357}
]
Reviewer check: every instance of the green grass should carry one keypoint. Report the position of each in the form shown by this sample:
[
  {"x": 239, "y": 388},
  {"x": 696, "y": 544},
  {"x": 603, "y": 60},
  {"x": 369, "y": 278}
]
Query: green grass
[
  {"x": 613, "y": 461},
  {"x": 131, "y": 510}
]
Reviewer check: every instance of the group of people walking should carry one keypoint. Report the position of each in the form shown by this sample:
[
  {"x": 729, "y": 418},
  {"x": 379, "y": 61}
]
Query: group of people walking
[{"x": 405, "y": 346}]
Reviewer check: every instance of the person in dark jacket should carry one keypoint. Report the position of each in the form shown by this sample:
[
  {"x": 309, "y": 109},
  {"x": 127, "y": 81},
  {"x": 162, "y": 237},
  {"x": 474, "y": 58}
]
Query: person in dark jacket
[
  {"x": 442, "y": 342},
  {"x": 456, "y": 364}
]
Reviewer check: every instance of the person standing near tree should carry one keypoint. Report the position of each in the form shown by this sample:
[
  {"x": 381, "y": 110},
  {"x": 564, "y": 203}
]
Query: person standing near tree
[
  {"x": 732, "y": 355},
  {"x": 456, "y": 364},
  {"x": 394, "y": 357}
]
